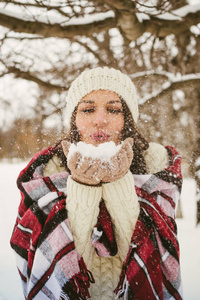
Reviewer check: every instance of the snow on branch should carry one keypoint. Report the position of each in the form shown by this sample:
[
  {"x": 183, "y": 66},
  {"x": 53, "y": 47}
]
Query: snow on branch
[
  {"x": 77, "y": 26},
  {"x": 180, "y": 13},
  {"x": 175, "y": 22},
  {"x": 87, "y": 19},
  {"x": 122, "y": 14},
  {"x": 174, "y": 81}
]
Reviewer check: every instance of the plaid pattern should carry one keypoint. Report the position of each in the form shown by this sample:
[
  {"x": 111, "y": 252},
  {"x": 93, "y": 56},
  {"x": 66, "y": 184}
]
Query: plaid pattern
[{"x": 48, "y": 263}]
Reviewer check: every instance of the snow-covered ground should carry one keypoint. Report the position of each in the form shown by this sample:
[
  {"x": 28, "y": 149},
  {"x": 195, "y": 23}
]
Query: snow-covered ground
[{"x": 189, "y": 237}]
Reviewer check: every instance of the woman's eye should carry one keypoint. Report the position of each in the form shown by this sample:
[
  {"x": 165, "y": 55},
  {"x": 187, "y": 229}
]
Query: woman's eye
[
  {"x": 87, "y": 110},
  {"x": 115, "y": 110}
]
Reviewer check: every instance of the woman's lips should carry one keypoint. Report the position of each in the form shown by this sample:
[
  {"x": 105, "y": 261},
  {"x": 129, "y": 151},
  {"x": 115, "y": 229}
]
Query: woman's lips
[{"x": 100, "y": 136}]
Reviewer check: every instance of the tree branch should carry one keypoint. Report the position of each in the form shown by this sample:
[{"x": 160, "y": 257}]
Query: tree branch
[
  {"x": 97, "y": 55},
  {"x": 28, "y": 76},
  {"x": 132, "y": 28},
  {"x": 127, "y": 20},
  {"x": 55, "y": 30},
  {"x": 170, "y": 86},
  {"x": 162, "y": 27}
]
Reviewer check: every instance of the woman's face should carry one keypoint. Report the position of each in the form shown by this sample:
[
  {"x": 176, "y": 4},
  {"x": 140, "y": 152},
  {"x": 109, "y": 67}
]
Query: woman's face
[{"x": 100, "y": 118}]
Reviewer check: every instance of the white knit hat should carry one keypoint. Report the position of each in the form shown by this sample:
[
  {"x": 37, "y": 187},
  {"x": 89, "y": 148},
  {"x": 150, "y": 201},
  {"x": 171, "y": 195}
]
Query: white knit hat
[{"x": 104, "y": 79}]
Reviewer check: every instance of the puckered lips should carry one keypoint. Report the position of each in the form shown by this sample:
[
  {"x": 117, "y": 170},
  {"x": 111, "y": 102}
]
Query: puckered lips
[{"x": 100, "y": 136}]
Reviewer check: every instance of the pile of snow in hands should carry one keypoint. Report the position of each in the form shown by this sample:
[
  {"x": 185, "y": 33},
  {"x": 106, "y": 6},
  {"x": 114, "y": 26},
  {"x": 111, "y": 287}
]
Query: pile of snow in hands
[{"x": 104, "y": 151}]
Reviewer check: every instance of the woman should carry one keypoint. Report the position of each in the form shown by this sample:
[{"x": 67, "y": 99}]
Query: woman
[{"x": 92, "y": 227}]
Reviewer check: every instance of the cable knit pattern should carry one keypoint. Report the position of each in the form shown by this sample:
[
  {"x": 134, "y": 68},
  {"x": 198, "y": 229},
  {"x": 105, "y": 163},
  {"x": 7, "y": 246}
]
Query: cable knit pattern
[
  {"x": 106, "y": 272},
  {"x": 83, "y": 209},
  {"x": 122, "y": 203},
  {"x": 82, "y": 205}
]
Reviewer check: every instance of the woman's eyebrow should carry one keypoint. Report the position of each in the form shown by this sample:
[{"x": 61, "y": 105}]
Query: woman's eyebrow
[
  {"x": 86, "y": 101},
  {"x": 114, "y": 101},
  {"x": 92, "y": 101}
]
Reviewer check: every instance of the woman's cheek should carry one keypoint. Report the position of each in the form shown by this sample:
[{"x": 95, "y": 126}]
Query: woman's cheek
[
  {"x": 80, "y": 123},
  {"x": 83, "y": 129},
  {"x": 118, "y": 123}
]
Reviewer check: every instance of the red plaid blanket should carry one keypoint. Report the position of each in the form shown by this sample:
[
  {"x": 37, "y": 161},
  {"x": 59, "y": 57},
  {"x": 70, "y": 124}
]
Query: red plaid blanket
[{"x": 48, "y": 263}]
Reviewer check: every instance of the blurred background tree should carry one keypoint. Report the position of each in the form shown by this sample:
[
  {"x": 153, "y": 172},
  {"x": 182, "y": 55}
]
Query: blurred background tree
[{"x": 45, "y": 44}]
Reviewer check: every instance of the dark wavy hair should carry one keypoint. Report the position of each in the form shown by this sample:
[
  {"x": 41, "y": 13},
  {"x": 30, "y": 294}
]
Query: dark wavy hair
[{"x": 138, "y": 165}]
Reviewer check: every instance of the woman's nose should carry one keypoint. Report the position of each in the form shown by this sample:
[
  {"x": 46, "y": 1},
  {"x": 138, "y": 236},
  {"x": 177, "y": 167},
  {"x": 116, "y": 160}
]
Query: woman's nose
[{"x": 100, "y": 118}]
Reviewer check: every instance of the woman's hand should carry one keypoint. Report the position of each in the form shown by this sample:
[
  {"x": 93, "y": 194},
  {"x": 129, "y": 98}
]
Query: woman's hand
[
  {"x": 120, "y": 163},
  {"x": 84, "y": 169},
  {"x": 93, "y": 171}
]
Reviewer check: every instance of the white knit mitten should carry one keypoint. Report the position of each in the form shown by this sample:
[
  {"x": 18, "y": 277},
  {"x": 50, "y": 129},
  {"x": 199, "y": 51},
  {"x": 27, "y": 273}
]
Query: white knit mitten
[
  {"x": 122, "y": 203},
  {"x": 82, "y": 205},
  {"x": 156, "y": 158}
]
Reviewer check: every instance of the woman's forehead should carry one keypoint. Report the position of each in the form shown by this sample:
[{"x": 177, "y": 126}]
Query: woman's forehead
[{"x": 101, "y": 95}]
